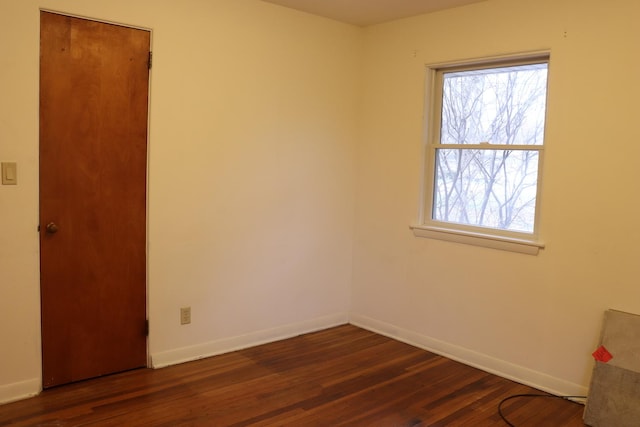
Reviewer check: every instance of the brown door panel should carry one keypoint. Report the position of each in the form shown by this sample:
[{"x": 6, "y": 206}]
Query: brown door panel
[{"x": 94, "y": 82}]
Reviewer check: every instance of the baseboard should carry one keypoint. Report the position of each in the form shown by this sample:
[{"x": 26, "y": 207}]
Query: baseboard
[
  {"x": 502, "y": 368},
  {"x": 541, "y": 381},
  {"x": 226, "y": 345},
  {"x": 21, "y": 390}
]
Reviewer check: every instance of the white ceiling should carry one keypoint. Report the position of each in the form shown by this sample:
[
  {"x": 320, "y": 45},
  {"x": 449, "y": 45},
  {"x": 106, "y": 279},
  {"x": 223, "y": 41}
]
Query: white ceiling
[{"x": 369, "y": 12}]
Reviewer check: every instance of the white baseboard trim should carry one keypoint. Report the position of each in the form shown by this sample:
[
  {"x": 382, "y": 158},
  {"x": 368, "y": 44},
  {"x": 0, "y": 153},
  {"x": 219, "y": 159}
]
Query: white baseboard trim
[
  {"x": 226, "y": 345},
  {"x": 21, "y": 390},
  {"x": 541, "y": 381},
  {"x": 502, "y": 368}
]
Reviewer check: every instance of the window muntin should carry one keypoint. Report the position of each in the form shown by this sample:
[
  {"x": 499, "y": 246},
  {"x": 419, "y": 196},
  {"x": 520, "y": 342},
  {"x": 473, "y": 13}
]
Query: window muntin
[{"x": 486, "y": 147}]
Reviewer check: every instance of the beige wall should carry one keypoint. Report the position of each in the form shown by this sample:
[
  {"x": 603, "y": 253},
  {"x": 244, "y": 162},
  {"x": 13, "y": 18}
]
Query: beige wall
[
  {"x": 253, "y": 121},
  {"x": 534, "y": 318}
]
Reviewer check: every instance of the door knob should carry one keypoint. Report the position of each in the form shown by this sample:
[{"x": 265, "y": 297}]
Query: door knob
[{"x": 52, "y": 228}]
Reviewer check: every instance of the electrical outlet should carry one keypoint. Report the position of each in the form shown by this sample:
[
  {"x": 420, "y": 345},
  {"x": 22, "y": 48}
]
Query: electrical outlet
[{"x": 185, "y": 315}]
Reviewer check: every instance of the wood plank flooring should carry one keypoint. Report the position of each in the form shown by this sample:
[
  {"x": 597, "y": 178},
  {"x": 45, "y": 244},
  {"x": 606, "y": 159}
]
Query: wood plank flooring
[{"x": 343, "y": 376}]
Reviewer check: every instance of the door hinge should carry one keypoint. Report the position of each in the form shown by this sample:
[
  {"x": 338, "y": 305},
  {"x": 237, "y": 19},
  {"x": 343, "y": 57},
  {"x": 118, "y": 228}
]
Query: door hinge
[
  {"x": 38, "y": 228},
  {"x": 150, "y": 60},
  {"x": 146, "y": 328}
]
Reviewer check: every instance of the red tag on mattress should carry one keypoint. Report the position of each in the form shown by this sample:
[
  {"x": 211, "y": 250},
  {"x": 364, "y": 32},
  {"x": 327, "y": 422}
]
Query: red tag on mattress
[{"x": 602, "y": 354}]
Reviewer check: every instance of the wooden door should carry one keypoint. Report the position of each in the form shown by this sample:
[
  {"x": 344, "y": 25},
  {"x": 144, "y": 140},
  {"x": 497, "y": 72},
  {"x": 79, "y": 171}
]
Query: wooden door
[{"x": 94, "y": 80}]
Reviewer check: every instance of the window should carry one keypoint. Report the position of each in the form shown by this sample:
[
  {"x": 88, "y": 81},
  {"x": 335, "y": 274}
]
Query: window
[{"x": 485, "y": 142}]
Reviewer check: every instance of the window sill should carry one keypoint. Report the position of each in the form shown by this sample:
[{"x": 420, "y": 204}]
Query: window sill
[{"x": 522, "y": 246}]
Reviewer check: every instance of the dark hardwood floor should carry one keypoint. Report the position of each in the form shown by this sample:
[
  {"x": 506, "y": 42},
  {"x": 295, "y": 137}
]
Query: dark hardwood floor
[{"x": 343, "y": 376}]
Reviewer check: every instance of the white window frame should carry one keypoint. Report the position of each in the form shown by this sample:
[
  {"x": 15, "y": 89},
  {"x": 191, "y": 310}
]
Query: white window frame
[{"x": 522, "y": 242}]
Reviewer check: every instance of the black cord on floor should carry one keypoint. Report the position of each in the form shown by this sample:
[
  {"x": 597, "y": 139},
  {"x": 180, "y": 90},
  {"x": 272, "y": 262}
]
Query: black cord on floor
[{"x": 515, "y": 396}]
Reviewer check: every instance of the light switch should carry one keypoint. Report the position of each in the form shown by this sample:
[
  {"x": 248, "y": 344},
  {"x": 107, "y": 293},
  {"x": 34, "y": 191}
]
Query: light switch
[{"x": 9, "y": 173}]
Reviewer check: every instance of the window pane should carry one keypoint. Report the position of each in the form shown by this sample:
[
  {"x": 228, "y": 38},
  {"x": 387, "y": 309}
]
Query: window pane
[
  {"x": 499, "y": 105},
  {"x": 486, "y": 188}
]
